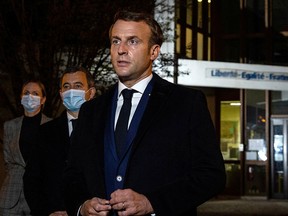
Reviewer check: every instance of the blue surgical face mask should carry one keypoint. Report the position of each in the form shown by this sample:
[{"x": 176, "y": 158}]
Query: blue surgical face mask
[
  {"x": 31, "y": 103},
  {"x": 73, "y": 99}
]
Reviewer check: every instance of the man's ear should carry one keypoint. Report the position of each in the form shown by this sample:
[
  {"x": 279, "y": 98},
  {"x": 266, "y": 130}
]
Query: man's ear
[
  {"x": 92, "y": 93},
  {"x": 155, "y": 50},
  {"x": 60, "y": 92}
]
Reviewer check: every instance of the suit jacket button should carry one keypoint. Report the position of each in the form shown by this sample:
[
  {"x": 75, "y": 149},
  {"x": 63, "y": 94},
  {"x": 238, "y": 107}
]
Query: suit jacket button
[{"x": 119, "y": 178}]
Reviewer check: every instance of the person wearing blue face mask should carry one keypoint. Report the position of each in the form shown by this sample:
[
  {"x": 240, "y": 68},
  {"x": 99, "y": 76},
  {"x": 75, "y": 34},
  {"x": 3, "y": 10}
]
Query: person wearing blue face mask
[
  {"x": 43, "y": 176},
  {"x": 31, "y": 103},
  {"x": 20, "y": 139},
  {"x": 73, "y": 99}
]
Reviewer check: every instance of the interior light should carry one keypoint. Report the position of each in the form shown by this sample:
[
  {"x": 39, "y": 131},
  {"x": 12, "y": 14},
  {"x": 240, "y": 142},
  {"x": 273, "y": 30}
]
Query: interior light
[{"x": 235, "y": 104}]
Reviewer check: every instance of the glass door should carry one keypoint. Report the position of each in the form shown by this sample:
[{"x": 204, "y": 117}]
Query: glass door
[
  {"x": 255, "y": 149},
  {"x": 279, "y": 131},
  {"x": 230, "y": 145}
]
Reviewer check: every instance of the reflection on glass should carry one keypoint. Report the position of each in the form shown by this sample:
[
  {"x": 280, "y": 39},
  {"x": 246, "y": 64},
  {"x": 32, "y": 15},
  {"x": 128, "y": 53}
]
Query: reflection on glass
[
  {"x": 256, "y": 145},
  {"x": 278, "y": 143},
  {"x": 233, "y": 182},
  {"x": 255, "y": 180},
  {"x": 188, "y": 43},
  {"x": 189, "y": 12},
  {"x": 278, "y": 147},
  {"x": 200, "y": 23},
  {"x": 279, "y": 102}
]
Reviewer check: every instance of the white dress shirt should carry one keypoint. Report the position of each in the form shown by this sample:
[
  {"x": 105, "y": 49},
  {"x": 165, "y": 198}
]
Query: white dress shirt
[
  {"x": 140, "y": 88},
  {"x": 70, "y": 126}
]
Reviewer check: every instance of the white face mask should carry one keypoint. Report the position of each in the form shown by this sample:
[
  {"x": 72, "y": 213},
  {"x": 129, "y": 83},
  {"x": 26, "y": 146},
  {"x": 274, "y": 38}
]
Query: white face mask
[
  {"x": 73, "y": 99},
  {"x": 31, "y": 103}
]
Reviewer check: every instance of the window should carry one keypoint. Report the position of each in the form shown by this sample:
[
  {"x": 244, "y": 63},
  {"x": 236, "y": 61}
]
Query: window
[{"x": 193, "y": 29}]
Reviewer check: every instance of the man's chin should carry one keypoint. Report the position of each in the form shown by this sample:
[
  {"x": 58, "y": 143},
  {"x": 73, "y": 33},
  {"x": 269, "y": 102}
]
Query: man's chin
[{"x": 123, "y": 73}]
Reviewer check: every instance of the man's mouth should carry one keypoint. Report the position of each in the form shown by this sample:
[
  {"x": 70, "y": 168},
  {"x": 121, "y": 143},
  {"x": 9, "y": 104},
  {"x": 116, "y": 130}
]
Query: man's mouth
[{"x": 122, "y": 63}]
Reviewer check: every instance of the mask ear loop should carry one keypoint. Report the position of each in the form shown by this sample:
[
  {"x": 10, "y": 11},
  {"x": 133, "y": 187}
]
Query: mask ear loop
[
  {"x": 88, "y": 90},
  {"x": 92, "y": 94}
]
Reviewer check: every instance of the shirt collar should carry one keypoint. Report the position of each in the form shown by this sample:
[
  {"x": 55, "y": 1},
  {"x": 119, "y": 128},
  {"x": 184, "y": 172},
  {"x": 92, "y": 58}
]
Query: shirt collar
[
  {"x": 70, "y": 117},
  {"x": 139, "y": 86}
]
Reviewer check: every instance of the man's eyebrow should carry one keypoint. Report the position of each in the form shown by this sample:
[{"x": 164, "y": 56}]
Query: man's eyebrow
[
  {"x": 115, "y": 37},
  {"x": 65, "y": 83},
  {"x": 133, "y": 37},
  {"x": 79, "y": 82},
  {"x": 128, "y": 38},
  {"x": 74, "y": 83}
]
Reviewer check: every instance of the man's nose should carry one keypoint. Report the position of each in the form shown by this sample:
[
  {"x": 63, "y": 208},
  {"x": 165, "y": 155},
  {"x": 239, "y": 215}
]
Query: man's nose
[{"x": 122, "y": 49}]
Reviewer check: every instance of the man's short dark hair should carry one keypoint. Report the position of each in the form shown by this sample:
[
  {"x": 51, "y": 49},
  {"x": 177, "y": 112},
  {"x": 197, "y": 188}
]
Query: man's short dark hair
[
  {"x": 156, "y": 31},
  {"x": 74, "y": 69}
]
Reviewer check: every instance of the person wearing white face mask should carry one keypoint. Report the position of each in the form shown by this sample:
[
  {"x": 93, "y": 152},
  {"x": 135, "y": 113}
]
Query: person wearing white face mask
[
  {"x": 43, "y": 177},
  {"x": 19, "y": 143}
]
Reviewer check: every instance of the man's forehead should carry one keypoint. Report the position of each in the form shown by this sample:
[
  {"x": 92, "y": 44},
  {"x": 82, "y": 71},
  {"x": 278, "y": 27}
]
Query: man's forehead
[
  {"x": 73, "y": 78},
  {"x": 129, "y": 28}
]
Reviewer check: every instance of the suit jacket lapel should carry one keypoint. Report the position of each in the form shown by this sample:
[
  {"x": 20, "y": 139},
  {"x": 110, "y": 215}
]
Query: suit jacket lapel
[
  {"x": 18, "y": 125},
  {"x": 156, "y": 105}
]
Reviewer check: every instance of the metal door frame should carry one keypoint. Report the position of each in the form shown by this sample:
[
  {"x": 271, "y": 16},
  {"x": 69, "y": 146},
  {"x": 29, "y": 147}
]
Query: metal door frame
[{"x": 283, "y": 195}]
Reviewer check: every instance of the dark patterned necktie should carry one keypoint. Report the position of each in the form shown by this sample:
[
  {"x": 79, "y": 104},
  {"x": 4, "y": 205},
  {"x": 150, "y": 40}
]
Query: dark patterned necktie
[
  {"x": 122, "y": 122},
  {"x": 74, "y": 122}
]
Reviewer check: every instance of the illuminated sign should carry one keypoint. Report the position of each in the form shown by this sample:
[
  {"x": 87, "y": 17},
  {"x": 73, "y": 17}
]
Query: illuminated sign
[{"x": 232, "y": 75}]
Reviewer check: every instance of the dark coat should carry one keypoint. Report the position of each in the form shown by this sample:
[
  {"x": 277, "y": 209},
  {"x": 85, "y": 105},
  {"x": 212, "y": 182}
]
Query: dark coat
[
  {"x": 43, "y": 185},
  {"x": 175, "y": 160},
  {"x": 12, "y": 187}
]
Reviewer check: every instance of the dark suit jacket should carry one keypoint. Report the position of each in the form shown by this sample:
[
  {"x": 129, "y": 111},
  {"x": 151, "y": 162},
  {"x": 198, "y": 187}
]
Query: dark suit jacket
[
  {"x": 175, "y": 160},
  {"x": 43, "y": 176}
]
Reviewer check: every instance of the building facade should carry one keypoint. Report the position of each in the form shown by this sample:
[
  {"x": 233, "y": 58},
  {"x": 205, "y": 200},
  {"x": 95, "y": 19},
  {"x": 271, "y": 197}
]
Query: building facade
[{"x": 236, "y": 52}]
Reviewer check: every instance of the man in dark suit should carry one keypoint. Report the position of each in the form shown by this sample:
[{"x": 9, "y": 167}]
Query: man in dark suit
[
  {"x": 169, "y": 162},
  {"x": 43, "y": 176}
]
